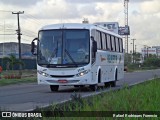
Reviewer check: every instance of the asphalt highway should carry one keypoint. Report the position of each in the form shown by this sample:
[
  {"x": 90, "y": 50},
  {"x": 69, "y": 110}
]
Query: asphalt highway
[{"x": 26, "y": 97}]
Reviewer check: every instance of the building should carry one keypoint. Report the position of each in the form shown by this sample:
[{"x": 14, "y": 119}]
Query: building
[
  {"x": 148, "y": 51},
  {"x": 12, "y": 48}
]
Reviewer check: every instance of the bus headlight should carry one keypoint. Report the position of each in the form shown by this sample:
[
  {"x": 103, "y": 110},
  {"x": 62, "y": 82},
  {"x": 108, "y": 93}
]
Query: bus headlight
[
  {"x": 43, "y": 73},
  {"x": 82, "y": 73}
]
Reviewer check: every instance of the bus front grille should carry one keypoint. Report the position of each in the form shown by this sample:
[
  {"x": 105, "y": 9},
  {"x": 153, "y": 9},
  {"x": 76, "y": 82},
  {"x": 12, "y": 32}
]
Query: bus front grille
[
  {"x": 69, "y": 81},
  {"x": 62, "y": 76}
]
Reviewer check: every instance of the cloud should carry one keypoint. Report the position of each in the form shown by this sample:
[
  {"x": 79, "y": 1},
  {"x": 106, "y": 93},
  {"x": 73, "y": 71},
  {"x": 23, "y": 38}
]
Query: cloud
[
  {"x": 62, "y": 9},
  {"x": 56, "y": 9},
  {"x": 144, "y": 15},
  {"x": 139, "y": 1},
  {"x": 90, "y": 1},
  {"x": 150, "y": 7},
  {"x": 19, "y": 2}
]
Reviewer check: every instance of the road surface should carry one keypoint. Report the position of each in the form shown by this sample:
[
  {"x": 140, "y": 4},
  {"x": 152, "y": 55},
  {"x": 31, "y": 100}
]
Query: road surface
[{"x": 25, "y": 97}]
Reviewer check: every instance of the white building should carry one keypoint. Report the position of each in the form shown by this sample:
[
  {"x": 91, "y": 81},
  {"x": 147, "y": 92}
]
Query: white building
[{"x": 147, "y": 51}]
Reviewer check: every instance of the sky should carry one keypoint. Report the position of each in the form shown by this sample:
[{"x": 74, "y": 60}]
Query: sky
[{"x": 144, "y": 17}]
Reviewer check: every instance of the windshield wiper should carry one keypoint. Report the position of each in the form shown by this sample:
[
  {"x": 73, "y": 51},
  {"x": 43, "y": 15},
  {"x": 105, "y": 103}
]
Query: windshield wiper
[
  {"x": 71, "y": 58},
  {"x": 53, "y": 54}
]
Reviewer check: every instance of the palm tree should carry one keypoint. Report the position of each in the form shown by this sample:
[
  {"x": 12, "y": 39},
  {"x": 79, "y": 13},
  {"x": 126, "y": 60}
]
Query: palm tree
[{"x": 12, "y": 61}]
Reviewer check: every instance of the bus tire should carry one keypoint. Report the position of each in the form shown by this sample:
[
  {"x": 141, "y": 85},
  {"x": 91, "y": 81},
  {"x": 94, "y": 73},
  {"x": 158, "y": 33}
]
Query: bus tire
[
  {"x": 93, "y": 87},
  {"x": 107, "y": 84},
  {"x": 79, "y": 86},
  {"x": 113, "y": 83},
  {"x": 76, "y": 86},
  {"x": 99, "y": 76},
  {"x": 54, "y": 87}
]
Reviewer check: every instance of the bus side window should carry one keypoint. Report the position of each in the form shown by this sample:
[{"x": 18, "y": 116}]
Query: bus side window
[
  {"x": 113, "y": 43},
  {"x": 120, "y": 45},
  {"x": 117, "y": 44},
  {"x": 103, "y": 41},
  {"x": 98, "y": 39},
  {"x": 108, "y": 42}
]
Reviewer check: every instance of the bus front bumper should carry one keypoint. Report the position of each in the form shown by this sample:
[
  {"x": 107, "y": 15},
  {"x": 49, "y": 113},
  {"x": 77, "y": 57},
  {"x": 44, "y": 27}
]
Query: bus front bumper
[{"x": 81, "y": 80}]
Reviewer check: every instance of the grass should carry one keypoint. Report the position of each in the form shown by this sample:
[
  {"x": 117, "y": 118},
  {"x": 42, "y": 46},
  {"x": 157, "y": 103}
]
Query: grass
[
  {"x": 4, "y": 82},
  {"x": 142, "y": 97},
  {"x": 28, "y": 76},
  {"x": 135, "y": 67}
]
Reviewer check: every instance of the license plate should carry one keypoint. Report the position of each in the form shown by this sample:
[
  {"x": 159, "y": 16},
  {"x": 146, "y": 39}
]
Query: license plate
[{"x": 62, "y": 81}]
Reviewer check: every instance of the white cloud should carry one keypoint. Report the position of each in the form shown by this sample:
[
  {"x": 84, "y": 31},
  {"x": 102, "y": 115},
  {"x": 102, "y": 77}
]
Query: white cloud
[
  {"x": 23, "y": 3},
  {"x": 144, "y": 15},
  {"x": 56, "y": 9},
  {"x": 150, "y": 7}
]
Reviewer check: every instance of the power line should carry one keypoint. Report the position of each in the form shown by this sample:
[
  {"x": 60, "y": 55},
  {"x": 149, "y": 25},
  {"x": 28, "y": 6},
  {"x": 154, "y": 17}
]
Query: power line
[
  {"x": 28, "y": 35},
  {"x": 5, "y": 11},
  {"x": 7, "y": 34}
]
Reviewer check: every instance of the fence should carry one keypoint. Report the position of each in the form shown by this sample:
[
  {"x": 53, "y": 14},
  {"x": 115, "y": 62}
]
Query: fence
[{"x": 28, "y": 64}]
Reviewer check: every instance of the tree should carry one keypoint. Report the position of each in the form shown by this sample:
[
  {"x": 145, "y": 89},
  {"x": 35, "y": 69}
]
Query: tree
[
  {"x": 12, "y": 61},
  {"x": 152, "y": 61}
]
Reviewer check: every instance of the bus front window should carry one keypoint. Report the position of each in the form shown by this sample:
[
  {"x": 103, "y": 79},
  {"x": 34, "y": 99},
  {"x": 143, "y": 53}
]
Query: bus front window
[{"x": 63, "y": 47}]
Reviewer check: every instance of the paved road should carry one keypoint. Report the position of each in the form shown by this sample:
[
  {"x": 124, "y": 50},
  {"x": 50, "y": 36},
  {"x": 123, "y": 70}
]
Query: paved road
[{"x": 23, "y": 97}]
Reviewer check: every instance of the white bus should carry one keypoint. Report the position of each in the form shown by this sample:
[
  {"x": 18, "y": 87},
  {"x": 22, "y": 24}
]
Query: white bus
[{"x": 78, "y": 54}]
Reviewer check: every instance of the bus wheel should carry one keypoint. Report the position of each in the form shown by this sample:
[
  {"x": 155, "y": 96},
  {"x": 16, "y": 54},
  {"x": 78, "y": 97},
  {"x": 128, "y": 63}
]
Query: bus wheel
[
  {"x": 107, "y": 84},
  {"x": 79, "y": 86},
  {"x": 110, "y": 84},
  {"x": 93, "y": 87},
  {"x": 113, "y": 83},
  {"x": 54, "y": 87}
]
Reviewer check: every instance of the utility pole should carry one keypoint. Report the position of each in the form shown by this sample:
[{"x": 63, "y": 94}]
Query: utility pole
[
  {"x": 126, "y": 24},
  {"x": 135, "y": 52},
  {"x": 133, "y": 49},
  {"x": 19, "y": 38}
]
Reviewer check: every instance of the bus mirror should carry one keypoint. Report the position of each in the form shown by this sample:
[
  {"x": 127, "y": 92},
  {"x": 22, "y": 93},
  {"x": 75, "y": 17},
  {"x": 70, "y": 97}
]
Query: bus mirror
[
  {"x": 33, "y": 47},
  {"x": 94, "y": 45}
]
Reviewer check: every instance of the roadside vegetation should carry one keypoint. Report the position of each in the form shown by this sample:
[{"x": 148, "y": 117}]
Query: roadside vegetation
[
  {"x": 150, "y": 62},
  {"x": 9, "y": 77},
  {"x": 8, "y": 74},
  {"x": 142, "y": 97}
]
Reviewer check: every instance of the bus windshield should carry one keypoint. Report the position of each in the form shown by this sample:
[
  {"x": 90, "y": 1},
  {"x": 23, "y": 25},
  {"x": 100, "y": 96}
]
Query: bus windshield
[{"x": 63, "y": 47}]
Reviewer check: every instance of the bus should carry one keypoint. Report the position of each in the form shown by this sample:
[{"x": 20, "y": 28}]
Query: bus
[{"x": 78, "y": 54}]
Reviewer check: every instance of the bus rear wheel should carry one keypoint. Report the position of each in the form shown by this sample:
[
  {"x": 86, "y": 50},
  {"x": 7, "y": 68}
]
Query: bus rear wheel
[
  {"x": 113, "y": 83},
  {"x": 93, "y": 87},
  {"x": 54, "y": 87},
  {"x": 110, "y": 84},
  {"x": 78, "y": 86}
]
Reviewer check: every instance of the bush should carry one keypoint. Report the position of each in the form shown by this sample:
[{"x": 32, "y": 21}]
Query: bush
[{"x": 152, "y": 62}]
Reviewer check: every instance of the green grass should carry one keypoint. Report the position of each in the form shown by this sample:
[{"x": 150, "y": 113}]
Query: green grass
[
  {"x": 24, "y": 72},
  {"x": 28, "y": 76},
  {"x": 135, "y": 67},
  {"x": 142, "y": 97},
  {"x": 4, "y": 82}
]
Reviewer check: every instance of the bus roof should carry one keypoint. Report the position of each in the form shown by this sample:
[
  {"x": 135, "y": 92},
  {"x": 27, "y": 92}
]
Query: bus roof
[
  {"x": 67, "y": 26},
  {"x": 77, "y": 26}
]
